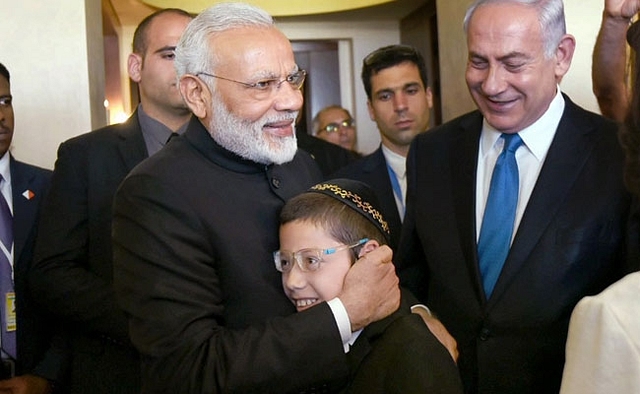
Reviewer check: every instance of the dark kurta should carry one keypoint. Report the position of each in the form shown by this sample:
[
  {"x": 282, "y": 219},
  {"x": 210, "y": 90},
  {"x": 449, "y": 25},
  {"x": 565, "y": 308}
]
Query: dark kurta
[{"x": 194, "y": 231}]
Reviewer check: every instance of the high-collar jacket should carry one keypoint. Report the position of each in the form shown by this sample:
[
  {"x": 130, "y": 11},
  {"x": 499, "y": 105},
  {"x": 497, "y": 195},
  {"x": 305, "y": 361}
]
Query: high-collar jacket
[{"x": 194, "y": 231}]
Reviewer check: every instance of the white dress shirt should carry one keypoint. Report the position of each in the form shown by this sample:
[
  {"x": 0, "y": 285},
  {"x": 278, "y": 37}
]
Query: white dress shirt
[
  {"x": 5, "y": 188},
  {"x": 530, "y": 156},
  {"x": 398, "y": 164}
]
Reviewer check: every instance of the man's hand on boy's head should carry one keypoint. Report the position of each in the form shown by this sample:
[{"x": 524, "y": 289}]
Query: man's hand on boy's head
[{"x": 371, "y": 288}]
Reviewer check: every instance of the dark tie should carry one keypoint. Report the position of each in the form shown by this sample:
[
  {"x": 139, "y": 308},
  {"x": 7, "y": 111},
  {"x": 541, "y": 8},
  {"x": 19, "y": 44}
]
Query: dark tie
[
  {"x": 6, "y": 281},
  {"x": 499, "y": 214}
]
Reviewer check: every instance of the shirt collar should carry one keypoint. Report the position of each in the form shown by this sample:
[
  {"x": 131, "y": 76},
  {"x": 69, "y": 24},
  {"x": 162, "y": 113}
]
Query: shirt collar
[
  {"x": 4, "y": 167},
  {"x": 354, "y": 337},
  {"x": 155, "y": 133},
  {"x": 398, "y": 163},
  {"x": 537, "y": 137}
]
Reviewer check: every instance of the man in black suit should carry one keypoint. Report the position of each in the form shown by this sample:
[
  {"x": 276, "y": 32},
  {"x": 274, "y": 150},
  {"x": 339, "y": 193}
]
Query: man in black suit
[
  {"x": 72, "y": 274},
  {"x": 195, "y": 227},
  {"x": 505, "y": 286},
  {"x": 399, "y": 101},
  {"x": 35, "y": 363}
]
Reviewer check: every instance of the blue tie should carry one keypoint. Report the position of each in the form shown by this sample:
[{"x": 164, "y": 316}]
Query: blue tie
[
  {"x": 8, "y": 336},
  {"x": 499, "y": 214}
]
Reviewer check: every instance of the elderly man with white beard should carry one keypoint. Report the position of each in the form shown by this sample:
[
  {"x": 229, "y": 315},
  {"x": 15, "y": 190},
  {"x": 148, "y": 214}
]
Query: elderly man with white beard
[{"x": 195, "y": 226}]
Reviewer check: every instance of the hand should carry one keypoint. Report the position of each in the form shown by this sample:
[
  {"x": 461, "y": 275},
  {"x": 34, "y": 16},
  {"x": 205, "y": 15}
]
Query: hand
[
  {"x": 439, "y": 331},
  {"x": 25, "y": 384},
  {"x": 621, "y": 9},
  {"x": 370, "y": 291}
]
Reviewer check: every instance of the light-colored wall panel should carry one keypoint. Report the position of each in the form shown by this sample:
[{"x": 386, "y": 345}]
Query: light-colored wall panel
[{"x": 45, "y": 46}]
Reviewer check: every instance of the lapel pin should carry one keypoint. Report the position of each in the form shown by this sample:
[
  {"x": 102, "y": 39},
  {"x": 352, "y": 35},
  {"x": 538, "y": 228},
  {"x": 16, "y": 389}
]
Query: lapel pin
[{"x": 28, "y": 194}]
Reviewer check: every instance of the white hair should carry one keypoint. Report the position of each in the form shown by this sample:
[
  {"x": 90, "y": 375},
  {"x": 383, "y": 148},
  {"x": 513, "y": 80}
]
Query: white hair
[
  {"x": 193, "y": 53},
  {"x": 550, "y": 16}
]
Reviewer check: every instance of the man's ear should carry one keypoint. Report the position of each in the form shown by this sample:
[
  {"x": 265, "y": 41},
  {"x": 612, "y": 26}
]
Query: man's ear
[
  {"x": 134, "y": 67},
  {"x": 196, "y": 95},
  {"x": 564, "y": 55},
  {"x": 371, "y": 244},
  {"x": 429, "y": 94}
]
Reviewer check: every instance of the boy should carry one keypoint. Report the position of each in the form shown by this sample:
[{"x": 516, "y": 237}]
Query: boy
[{"x": 323, "y": 231}]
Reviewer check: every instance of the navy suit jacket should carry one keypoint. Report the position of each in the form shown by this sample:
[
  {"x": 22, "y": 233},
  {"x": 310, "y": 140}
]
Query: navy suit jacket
[
  {"x": 73, "y": 270},
  {"x": 372, "y": 170},
  {"x": 570, "y": 243},
  {"x": 36, "y": 355}
]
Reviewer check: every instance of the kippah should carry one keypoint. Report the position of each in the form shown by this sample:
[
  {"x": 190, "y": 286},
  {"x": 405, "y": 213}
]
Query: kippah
[{"x": 356, "y": 195}]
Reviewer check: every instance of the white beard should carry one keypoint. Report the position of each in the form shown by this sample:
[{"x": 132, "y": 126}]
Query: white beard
[{"x": 247, "y": 140}]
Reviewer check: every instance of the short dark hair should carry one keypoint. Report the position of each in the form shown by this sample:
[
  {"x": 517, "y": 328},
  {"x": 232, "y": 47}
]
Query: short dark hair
[
  {"x": 341, "y": 222},
  {"x": 389, "y": 56},
  {"x": 4, "y": 72},
  {"x": 140, "y": 35}
]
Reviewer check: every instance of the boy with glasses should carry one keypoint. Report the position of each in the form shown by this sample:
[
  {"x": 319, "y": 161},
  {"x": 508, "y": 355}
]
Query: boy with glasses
[{"x": 323, "y": 232}]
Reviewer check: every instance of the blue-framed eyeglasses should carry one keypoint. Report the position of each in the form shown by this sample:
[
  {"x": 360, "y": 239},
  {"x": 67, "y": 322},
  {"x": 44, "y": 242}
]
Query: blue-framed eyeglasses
[
  {"x": 307, "y": 259},
  {"x": 266, "y": 87},
  {"x": 333, "y": 127}
]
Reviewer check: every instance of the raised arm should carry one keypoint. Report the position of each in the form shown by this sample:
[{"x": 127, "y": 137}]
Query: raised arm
[{"x": 610, "y": 58}]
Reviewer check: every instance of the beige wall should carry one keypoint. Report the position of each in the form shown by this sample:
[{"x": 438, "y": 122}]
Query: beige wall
[
  {"x": 583, "y": 22},
  {"x": 453, "y": 58},
  {"x": 58, "y": 92}
]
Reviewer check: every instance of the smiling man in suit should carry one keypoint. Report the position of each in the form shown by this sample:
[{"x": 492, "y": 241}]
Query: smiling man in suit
[
  {"x": 72, "y": 273},
  {"x": 502, "y": 243},
  {"x": 26, "y": 332}
]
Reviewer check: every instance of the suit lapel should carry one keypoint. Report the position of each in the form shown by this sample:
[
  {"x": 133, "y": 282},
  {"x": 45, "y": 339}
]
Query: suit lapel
[
  {"x": 131, "y": 142},
  {"x": 365, "y": 342},
  {"x": 463, "y": 163},
  {"x": 376, "y": 167},
  {"x": 24, "y": 208},
  {"x": 557, "y": 176}
]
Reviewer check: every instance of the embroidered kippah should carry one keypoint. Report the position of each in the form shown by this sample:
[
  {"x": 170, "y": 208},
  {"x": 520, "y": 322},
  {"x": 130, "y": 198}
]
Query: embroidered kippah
[{"x": 358, "y": 196}]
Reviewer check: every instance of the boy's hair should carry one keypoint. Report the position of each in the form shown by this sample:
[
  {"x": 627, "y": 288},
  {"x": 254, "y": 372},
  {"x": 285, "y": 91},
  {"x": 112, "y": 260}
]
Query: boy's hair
[{"x": 341, "y": 221}]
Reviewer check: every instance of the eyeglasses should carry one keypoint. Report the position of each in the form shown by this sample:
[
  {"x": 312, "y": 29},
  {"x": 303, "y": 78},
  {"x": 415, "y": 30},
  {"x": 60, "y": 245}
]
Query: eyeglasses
[
  {"x": 307, "y": 259},
  {"x": 266, "y": 87},
  {"x": 333, "y": 127}
]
